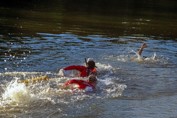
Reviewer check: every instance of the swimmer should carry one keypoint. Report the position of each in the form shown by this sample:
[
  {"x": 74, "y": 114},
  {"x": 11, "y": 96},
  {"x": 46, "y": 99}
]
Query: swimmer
[
  {"x": 139, "y": 53},
  {"x": 87, "y": 85},
  {"x": 144, "y": 45},
  {"x": 84, "y": 71}
]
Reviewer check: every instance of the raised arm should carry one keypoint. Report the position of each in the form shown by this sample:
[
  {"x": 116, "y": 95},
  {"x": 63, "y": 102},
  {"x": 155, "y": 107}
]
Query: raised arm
[{"x": 144, "y": 45}]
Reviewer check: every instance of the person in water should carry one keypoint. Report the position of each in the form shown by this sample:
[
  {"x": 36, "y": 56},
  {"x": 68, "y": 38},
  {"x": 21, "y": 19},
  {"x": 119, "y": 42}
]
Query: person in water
[
  {"x": 87, "y": 85},
  {"x": 84, "y": 71},
  {"x": 139, "y": 53},
  {"x": 144, "y": 45}
]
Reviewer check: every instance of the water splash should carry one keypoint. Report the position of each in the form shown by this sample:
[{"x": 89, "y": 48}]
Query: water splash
[
  {"x": 152, "y": 58},
  {"x": 112, "y": 89},
  {"x": 20, "y": 94},
  {"x": 116, "y": 90},
  {"x": 104, "y": 69},
  {"x": 138, "y": 57},
  {"x": 17, "y": 92}
]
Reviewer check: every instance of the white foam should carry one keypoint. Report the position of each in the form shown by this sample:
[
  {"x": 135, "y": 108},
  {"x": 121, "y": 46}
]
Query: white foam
[
  {"x": 17, "y": 92},
  {"x": 122, "y": 58},
  {"x": 115, "y": 90},
  {"x": 152, "y": 58},
  {"x": 112, "y": 89},
  {"x": 104, "y": 66}
]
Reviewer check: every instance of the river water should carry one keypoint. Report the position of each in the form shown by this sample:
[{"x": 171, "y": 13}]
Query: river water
[{"x": 38, "y": 38}]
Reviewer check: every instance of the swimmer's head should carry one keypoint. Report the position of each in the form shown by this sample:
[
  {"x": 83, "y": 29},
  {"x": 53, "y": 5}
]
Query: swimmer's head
[
  {"x": 92, "y": 79},
  {"x": 90, "y": 63}
]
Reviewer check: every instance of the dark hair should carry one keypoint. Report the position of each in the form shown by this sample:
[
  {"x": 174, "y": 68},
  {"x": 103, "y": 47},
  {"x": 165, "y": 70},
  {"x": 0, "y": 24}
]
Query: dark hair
[
  {"x": 91, "y": 64},
  {"x": 92, "y": 78}
]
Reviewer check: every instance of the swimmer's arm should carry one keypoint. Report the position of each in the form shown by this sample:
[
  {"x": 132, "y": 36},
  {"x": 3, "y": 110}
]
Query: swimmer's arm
[{"x": 141, "y": 48}]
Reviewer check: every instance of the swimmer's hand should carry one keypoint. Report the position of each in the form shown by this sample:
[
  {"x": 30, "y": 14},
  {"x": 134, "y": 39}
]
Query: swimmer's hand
[{"x": 144, "y": 45}]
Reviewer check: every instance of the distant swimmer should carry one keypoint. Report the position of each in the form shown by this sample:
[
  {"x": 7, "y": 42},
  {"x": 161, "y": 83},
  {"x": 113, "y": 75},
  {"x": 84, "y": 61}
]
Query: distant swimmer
[
  {"x": 87, "y": 85},
  {"x": 144, "y": 45},
  {"x": 84, "y": 71},
  {"x": 139, "y": 53}
]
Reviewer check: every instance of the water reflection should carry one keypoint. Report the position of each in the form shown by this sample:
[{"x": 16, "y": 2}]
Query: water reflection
[{"x": 113, "y": 18}]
